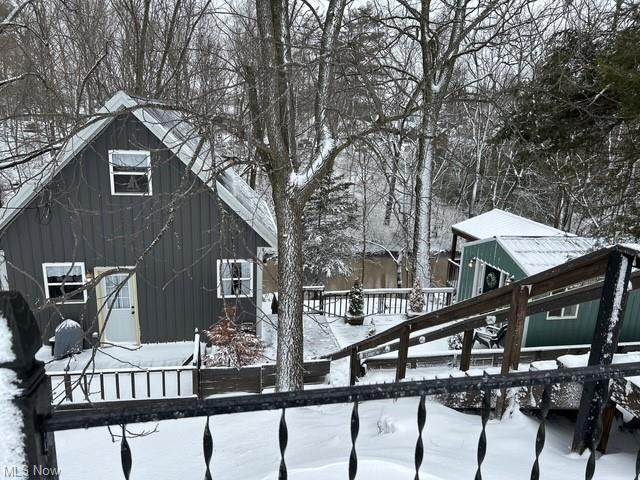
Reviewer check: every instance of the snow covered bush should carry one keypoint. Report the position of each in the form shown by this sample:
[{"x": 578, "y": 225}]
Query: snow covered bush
[
  {"x": 356, "y": 299},
  {"x": 231, "y": 346},
  {"x": 455, "y": 341},
  {"x": 386, "y": 425},
  {"x": 416, "y": 297}
]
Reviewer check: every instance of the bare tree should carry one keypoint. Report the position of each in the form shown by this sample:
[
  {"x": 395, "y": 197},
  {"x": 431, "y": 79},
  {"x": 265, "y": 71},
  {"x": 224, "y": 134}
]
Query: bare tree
[{"x": 445, "y": 32}]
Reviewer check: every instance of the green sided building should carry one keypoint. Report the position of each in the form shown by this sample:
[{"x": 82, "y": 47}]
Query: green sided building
[{"x": 489, "y": 263}]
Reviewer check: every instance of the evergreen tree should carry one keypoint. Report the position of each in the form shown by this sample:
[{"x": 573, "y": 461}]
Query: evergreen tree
[
  {"x": 416, "y": 297},
  {"x": 356, "y": 299},
  {"x": 330, "y": 230},
  {"x": 577, "y": 124}
]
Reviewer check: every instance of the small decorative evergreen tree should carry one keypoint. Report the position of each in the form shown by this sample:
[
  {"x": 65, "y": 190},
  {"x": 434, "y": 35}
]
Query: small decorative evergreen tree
[
  {"x": 356, "y": 299},
  {"x": 231, "y": 346},
  {"x": 416, "y": 297}
]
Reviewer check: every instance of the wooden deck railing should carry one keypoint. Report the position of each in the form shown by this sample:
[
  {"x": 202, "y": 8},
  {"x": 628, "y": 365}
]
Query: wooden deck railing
[
  {"x": 512, "y": 303},
  {"x": 453, "y": 271},
  {"x": 121, "y": 384},
  {"x": 507, "y": 304},
  {"x": 71, "y": 389},
  {"x": 377, "y": 301}
]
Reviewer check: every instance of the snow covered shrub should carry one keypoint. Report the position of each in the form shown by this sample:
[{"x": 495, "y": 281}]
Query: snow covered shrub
[
  {"x": 416, "y": 297},
  {"x": 231, "y": 346},
  {"x": 455, "y": 341},
  {"x": 356, "y": 299},
  {"x": 385, "y": 425}
]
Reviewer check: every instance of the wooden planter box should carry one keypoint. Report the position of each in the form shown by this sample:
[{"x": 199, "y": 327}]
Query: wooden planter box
[{"x": 252, "y": 379}]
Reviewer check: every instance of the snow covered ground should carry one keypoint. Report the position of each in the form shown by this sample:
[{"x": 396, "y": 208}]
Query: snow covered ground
[
  {"x": 246, "y": 446},
  {"x": 318, "y": 338},
  {"x": 145, "y": 356},
  {"x": 326, "y": 334}
]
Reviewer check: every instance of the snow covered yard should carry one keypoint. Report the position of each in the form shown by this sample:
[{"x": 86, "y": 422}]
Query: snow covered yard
[
  {"x": 349, "y": 334},
  {"x": 246, "y": 446},
  {"x": 324, "y": 334},
  {"x": 145, "y": 356}
]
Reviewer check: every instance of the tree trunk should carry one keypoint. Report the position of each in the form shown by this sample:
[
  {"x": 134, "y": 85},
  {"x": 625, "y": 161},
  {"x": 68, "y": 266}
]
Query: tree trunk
[
  {"x": 141, "y": 51},
  {"x": 391, "y": 198},
  {"x": 476, "y": 182},
  {"x": 422, "y": 227},
  {"x": 290, "y": 355}
]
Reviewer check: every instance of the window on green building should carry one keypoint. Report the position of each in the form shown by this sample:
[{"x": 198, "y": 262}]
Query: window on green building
[{"x": 564, "y": 313}]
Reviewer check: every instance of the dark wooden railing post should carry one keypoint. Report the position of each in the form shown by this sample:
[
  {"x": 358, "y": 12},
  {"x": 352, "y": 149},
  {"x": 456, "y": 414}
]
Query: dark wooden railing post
[
  {"x": 603, "y": 346},
  {"x": 27, "y": 394},
  {"x": 515, "y": 329},
  {"x": 354, "y": 367},
  {"x": 403, "y": 354},
  {"x": 322, "y": 300},
  {"x": 467, "y": 345},
  {"x": 68, "y": 388},
  {"x": 518, "y": 316},
  {"x": 513, "y": 341},
  {"x": 608, "y": 417}
]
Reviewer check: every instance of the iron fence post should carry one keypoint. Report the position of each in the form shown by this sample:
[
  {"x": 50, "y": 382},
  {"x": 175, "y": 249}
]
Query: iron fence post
[{"x": 27, "y": 396}]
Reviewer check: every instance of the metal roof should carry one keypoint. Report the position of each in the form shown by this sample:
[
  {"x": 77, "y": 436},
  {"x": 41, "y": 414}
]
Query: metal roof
[
  {"x": 180, "y": 137},
  {"x": 496, "y": 223},
  {"x": 537, "y": 254}
]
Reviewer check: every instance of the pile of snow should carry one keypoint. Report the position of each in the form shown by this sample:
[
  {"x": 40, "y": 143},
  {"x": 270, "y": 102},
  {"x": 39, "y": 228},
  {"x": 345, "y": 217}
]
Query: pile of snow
[{"x": 11, "y": 437}]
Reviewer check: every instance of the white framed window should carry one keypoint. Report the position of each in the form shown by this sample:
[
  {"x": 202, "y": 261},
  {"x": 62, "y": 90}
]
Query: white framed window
[
  {"x": 64, "y": 280},
  {"x": 486, "y": 277},
  {"x": 130, "y": 172},
  {"x": 235, "y": 278},
  {"x": 569, "y": 312}
]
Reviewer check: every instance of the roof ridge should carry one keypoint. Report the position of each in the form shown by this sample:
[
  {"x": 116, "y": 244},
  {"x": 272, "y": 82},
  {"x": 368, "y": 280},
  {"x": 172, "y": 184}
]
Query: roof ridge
[
  {"x": 530, "y": 220},
  {"x": 266, "y": 228}
]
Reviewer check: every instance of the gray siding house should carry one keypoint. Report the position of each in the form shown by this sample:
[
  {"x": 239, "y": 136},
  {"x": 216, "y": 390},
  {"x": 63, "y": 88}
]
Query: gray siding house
[{"x": 132, "y": 232}]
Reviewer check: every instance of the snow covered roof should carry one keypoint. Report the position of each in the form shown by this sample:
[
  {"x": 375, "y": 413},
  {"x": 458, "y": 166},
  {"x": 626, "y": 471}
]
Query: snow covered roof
[
  {"x": 536, "y": 254},
  {"x": 174, "y": 131},
  {"x": 496, "y": 223}
]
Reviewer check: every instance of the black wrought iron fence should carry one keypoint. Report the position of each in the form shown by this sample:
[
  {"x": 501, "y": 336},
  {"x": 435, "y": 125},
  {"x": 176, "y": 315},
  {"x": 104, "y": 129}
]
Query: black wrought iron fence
[{"x": 104, "y": 415}]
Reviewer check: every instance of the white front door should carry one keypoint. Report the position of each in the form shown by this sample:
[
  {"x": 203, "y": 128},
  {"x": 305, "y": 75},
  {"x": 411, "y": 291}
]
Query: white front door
[{"x": 117, "y": 307}]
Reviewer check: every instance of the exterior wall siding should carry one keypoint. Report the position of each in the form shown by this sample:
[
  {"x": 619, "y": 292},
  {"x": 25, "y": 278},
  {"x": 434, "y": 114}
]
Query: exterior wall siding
[
  {"x": 543, "y": 332},
  {"x": 176, "y": 280},
  {"x": 490, "y": 252},
  {"x": 540, "y": 331}
]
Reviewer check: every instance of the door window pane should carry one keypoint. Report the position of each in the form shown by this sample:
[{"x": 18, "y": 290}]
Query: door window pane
[{"x": 117, "y": 298}]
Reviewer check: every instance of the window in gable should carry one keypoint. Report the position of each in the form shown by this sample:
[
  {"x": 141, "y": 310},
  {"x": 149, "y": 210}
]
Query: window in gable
[{"x": 130, "y": 172}]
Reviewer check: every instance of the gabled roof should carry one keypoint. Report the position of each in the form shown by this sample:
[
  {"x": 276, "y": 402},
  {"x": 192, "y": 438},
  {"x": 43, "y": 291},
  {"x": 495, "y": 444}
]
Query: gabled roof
[
  {"x": 180, "y": 137},
  {"x": 536, "y": 254},
  {"x": 497, "y": 223}
]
